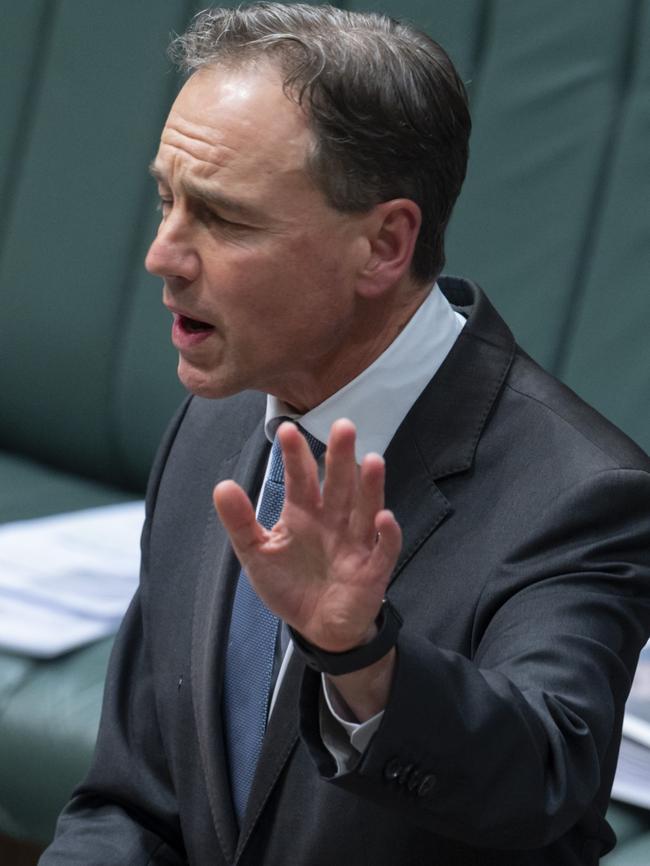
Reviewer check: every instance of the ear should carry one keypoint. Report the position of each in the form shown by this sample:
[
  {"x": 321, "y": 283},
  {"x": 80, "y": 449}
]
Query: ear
[{"x": 393, "y": 228}]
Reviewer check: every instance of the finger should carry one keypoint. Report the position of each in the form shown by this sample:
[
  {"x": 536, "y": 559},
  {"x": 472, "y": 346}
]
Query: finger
[
  {"x": 389, "y": 543},
  {"x": 300, "y": 468},
  {"x": 370, "y": 498},
  {"x": 341, "y": 471},
  {"x": 238, "y": 516}
]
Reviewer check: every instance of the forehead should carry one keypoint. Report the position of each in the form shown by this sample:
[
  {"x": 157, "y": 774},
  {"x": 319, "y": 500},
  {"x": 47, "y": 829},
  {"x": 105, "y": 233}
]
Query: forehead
[{"x": 236, "y": 121}]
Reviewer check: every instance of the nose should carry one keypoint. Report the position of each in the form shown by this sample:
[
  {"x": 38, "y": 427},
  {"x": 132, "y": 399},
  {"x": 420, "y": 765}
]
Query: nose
[{"x": 172, "y": 255}]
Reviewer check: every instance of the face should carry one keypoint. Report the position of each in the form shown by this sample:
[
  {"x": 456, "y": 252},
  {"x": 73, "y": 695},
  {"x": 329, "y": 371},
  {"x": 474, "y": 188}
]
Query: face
[{"x": 259, "y": 271}]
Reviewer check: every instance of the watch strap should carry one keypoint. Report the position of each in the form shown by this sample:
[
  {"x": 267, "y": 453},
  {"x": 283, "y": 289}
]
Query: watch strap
[{"x": 388, "y": 624}]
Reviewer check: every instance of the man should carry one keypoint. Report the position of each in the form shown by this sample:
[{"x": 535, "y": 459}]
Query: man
[{"x": 454, "y": 689}]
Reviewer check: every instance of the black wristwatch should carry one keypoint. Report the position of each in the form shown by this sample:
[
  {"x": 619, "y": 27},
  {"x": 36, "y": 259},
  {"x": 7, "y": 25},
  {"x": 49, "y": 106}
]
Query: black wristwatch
[{"x": 388, "y": 624}]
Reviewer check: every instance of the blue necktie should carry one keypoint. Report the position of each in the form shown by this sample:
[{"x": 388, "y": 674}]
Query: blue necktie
[{"x": 251, "y": 648}]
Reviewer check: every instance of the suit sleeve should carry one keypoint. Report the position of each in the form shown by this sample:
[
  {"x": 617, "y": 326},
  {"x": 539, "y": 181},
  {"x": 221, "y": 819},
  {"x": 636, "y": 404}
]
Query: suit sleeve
[
  {"x": 125, "y": 811},
  {"x": 509, "y": 747}
]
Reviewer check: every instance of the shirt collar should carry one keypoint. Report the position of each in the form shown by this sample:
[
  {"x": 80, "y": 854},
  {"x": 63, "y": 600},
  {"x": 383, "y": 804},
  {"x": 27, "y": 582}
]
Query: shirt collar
[{"x": 379, "y": 398}]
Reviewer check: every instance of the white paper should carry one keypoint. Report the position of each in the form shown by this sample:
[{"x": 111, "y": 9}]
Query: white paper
[
  {"x": 45, "y": 632},
  {"x": 632, "y": 779},
  {"x": 67, "y": 580}
]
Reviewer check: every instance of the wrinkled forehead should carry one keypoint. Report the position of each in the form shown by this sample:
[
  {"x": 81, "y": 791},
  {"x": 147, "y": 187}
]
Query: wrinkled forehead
[{"x": 224, "y": 112}]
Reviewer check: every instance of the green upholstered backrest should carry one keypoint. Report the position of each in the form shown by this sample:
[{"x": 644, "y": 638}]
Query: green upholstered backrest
[
  {"x": 146, "y": 388},
  {"x": 22, "y": 25},
  {"x": 74, "y": 237},
  {"x": 543, "y": 103},
  {"x": 607, "y": 354},
  {"x": 458, "y": 27}
]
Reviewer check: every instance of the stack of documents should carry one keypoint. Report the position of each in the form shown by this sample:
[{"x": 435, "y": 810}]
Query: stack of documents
[{"x": 67, "y": 580}]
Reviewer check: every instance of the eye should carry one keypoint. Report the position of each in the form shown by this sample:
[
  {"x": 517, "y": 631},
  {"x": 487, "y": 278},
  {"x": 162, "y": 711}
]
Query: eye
[
  {"x": 164, "y": 205},
  {"x": 215, "y": 219},
  {"x": 210, "y": 216}
]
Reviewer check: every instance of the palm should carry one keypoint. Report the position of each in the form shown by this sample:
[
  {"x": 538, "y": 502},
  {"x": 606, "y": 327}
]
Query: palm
[{"x": 324, "y": 567}]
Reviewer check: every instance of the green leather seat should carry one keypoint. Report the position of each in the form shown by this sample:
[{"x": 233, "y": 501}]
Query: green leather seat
[
  {"x": 47, "y": 733},
  {"x": 31, "y": 489},
  {"x": 632, "y": 828}
]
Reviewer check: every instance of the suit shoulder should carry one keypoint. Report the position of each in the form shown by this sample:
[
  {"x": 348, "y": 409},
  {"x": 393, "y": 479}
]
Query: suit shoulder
[{"x": 560, "y": 409}]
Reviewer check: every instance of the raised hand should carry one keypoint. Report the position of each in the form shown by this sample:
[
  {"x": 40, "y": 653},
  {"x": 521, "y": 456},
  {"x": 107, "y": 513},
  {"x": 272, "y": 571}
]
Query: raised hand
[{"x": 325, "y": 565}]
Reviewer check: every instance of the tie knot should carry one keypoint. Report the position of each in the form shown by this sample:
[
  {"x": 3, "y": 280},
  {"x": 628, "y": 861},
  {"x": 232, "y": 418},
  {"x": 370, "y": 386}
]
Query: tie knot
[
  {"x": 317, "y": 447},
  {"x": 276, "y": 469}
]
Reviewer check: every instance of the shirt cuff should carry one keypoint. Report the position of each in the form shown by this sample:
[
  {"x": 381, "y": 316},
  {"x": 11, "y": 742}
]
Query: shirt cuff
[{"x": 344, "y": 740}]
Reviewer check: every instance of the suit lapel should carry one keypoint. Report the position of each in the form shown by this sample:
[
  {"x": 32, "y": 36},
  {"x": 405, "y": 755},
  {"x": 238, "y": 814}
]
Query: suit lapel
[
  {"x": 412, "y": 495},
  {"x": 279, "y": 741},
  {"x": 440, "y": 434},
  {"x": 217, "y": 576}
]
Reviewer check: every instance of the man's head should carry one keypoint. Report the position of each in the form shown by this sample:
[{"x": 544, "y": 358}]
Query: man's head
[
  {"x": 292, "y": 179},
  {"x": 387, "y": 109}
]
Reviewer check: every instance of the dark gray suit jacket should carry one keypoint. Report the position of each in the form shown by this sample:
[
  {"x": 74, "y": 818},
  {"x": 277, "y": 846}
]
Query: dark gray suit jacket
[{"x": 524, "y": 584}]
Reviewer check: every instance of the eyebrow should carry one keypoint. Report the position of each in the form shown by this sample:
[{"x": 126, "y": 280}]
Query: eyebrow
[{"x": 234, "y": 208}]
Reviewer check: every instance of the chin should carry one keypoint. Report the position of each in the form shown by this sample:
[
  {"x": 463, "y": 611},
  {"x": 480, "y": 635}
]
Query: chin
[{"x": 203, "y": 384}]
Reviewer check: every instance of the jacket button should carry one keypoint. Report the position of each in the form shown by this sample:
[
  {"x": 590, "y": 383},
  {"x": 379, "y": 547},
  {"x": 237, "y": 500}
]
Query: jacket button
[
  {"x": 405, "y": 773},
  {"x": 414, "y": 780},
  {"x": 426, "y": 785},
  {"x": 392, "y": 769}
]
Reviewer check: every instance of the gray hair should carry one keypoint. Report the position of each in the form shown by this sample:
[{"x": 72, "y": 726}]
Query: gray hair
[{"x": 388, "y": 110}]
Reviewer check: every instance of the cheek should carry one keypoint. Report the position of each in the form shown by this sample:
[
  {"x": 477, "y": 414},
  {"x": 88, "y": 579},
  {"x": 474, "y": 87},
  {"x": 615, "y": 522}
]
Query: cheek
[{"x": 297, "y": 284}]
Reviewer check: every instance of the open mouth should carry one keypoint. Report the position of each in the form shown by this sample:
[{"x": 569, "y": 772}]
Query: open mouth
[{"x": 193, "y": 326}]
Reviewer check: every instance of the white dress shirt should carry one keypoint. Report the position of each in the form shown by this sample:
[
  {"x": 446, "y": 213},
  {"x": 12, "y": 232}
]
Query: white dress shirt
[{"x": 376, "y": 401}]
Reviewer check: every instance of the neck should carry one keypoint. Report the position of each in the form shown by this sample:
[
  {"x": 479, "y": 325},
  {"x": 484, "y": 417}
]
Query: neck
[{"x": 376, "y": 328}]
